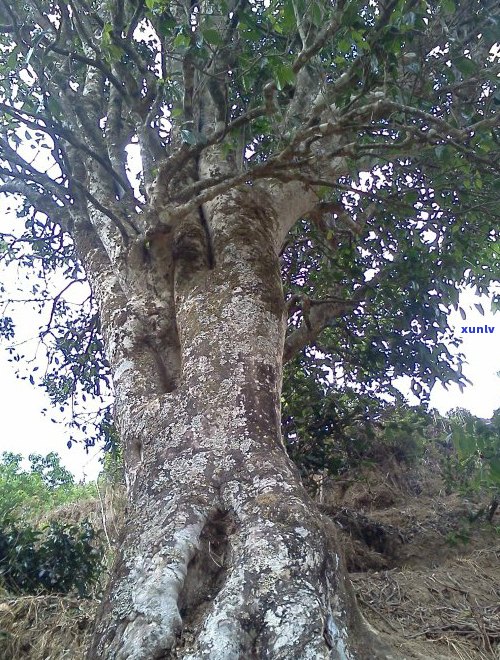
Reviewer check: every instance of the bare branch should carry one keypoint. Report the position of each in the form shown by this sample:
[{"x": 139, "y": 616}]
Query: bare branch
[
  {"x": 319, "y": 314},
  {"x": 308, "y": 53},
  {"x": 56, "y": 130},
  {"x": 125, "y": 233}
]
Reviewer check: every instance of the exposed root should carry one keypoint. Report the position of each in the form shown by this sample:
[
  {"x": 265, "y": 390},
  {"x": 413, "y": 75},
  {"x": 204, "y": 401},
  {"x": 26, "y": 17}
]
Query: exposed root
[
  {"x": 418, "y": 605},
  {"x": 281, "y": 598},
  {"x": 144, "y": 595}
]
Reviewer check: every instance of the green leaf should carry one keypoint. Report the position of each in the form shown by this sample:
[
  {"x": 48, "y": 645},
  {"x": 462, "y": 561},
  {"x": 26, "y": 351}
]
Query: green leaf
[
  {"x": 285, "y": 76},
  {"x": 166, "y": 24},
  {"x": 465, "y": 65},
  {"x": 350, "y": 13},
  {"x": 344, "y": 46},
  {"x": 448, "y": 6},
  {"x": 316, "y": 14},
  {"x": 115, "y": 52},
  {"x": 12, "y": 59},
  {"x": 181, "y": 41},
  {"x": 444, "y": 153},
  {"x": 288, "y": 21},
  {"x": 411, "y": 197},
  {"x": 212, "y": 36}
]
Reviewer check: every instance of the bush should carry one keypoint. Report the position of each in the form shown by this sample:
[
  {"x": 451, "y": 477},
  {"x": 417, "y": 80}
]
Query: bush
[
  {"x": 475, "y": 464},
  {"x": 59, "y": 558},
  {"x": 332, "y": 430},
  {"x": 113, "y": 469}
]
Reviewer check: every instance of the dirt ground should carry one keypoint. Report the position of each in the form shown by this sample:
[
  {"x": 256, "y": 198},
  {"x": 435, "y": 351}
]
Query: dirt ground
[{"x": 426, "y": 575}]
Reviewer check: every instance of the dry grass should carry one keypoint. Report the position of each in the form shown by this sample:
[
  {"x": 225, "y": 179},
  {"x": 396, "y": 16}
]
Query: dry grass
[
  {"x": 439, "y": 606},
  {"x": 454, "y": 607},
  {"x": 48, "y": 627}
]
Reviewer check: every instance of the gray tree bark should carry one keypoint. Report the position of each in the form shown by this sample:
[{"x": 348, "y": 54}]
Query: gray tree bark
[{"x": 223, "y": 553}]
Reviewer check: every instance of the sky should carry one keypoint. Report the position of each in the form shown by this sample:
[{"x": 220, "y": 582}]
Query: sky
[
  {"x": 482, "y": 361},
  {"x": 24, "y": 429}
]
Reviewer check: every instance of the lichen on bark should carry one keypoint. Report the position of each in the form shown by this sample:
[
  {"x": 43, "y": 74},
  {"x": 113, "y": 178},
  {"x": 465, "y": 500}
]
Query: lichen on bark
[{"x": 224, "y": 555}]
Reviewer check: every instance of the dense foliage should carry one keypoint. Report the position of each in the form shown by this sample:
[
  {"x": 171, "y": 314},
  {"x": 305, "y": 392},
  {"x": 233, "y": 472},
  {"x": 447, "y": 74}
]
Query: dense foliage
[
  {"x": 60, "y": 558},
  {"x": 333, "y": 431},
  {"x": 330, "y": 434},
  {"x": 475, "y": 462},
  {"x": 56, "y": 557}
]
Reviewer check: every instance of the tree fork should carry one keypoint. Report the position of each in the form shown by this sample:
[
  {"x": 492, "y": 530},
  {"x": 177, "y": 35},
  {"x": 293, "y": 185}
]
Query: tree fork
[{"x": 224, "y": 555}]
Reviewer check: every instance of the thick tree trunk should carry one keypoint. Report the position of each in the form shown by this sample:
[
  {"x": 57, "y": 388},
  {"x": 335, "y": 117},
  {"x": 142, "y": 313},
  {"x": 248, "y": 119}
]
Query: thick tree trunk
[{"x": 223, "y": 553}]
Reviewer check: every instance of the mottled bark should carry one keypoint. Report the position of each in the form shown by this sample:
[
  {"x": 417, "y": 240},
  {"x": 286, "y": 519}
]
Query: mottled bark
[{"x": 223, "y": 554}]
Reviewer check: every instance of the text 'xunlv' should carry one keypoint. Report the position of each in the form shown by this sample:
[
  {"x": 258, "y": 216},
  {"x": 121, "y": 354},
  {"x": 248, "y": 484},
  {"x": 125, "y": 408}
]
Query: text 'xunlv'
[{"x": 477, "y": 329}]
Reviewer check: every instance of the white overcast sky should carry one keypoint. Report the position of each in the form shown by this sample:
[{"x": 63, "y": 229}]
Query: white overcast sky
[{"x": 24, "y": 429}]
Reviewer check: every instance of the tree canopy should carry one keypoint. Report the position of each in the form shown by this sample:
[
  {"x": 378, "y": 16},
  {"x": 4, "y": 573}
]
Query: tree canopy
[{"x": 385, "y": 114}]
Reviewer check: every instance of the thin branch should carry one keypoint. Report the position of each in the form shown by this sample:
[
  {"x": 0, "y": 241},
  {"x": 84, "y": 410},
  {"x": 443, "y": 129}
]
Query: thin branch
[
  {"x": 40, "y": 201},
  {"x": 55, "y": 300},
  {"x": 106, "y": 211},
  {"x": 319, "y": 314},
  {"x": 96, "y": 64},
  {"x": 308, "y": 53},
  {"x": 56, "y": 130},
  {"x": 42, "y": 180}
]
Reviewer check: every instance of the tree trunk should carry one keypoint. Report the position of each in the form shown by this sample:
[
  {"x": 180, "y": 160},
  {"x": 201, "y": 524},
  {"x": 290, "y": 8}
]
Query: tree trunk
[{"x": 223, "y": 553}]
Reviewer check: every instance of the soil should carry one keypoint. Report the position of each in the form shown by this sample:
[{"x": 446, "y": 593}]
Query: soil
[{"x": 426, "y": 573}]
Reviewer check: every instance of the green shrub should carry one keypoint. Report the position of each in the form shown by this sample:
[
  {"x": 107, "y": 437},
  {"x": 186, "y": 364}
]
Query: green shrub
[
  {"x": 51, "y": 472},
  {"x": 59, "y": 558},
  {"x": 476, "y": 443},
  {"x": 113, "y": 469},
  {"x": 332, "y": 430}
]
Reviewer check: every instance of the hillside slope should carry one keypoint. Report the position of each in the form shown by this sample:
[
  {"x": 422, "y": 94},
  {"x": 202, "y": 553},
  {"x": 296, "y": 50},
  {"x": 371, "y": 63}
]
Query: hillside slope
[{"x": 426, "y": 576}]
